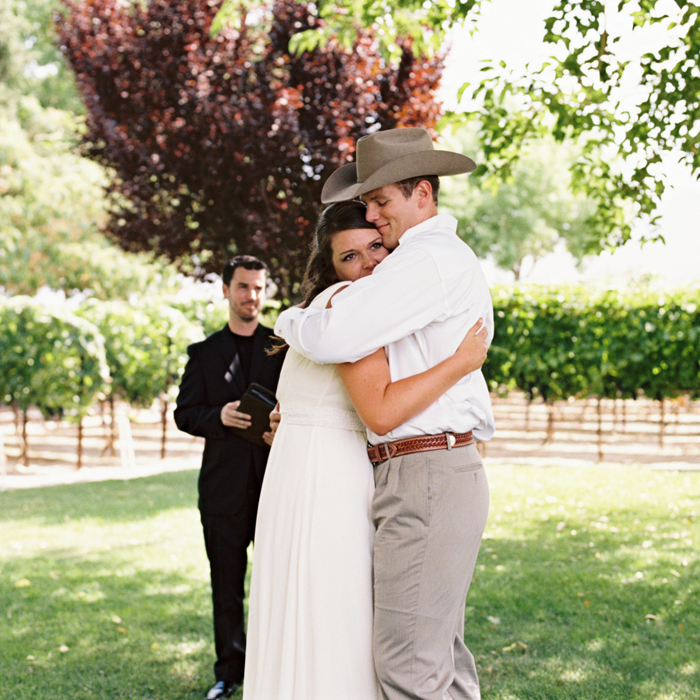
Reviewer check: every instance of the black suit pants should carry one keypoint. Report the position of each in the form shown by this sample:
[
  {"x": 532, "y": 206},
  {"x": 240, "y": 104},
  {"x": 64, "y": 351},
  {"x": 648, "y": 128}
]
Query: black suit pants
[{"x": 226, "y": 538}]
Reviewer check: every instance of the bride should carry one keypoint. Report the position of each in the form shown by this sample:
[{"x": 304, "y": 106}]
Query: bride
[{"x": 310, "y": 610}]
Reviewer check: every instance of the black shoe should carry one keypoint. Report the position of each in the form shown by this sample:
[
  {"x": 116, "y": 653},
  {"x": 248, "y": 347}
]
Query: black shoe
[{"x": 222, "y": 690}]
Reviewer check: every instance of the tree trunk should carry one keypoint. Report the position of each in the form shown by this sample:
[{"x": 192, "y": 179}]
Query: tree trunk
[
  {"x": 3, "y": 455},
  {"x": 600, "y": 429},
  {"x": 164, "y": 424},
  {"x": 662, "y": 421},
  {"x": 25, "y": 441},
  {"x": 80, "y": 443},
  {"x": 527, "y": 414},
  {"x": 16, "y": 412},
  {"x": 550, "y": 424},
  {"x": 112, "y": 434},
  {"x": 676, "y": 410},
  {"x": 583, "y": 411}
]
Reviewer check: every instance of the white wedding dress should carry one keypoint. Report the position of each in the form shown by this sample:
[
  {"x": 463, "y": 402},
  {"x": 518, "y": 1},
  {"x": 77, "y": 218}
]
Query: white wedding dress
[{"x": 310, "y": 612}]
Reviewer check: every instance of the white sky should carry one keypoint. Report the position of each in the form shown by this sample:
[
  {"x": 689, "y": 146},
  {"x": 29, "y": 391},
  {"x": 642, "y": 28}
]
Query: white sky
[{"x": 511, "y": 30}]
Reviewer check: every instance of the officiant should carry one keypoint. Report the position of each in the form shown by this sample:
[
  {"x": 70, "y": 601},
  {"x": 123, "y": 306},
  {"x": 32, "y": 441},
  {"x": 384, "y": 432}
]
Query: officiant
[{"x": 219, "y": 371}]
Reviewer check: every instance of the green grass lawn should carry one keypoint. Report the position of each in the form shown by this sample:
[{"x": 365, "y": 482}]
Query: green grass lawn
[{"x": 586, "y": 588}]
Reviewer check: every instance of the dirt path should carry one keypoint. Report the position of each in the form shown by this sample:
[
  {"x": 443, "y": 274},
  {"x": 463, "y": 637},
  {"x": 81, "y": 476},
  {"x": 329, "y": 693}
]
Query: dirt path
[
  {"x": 630, "y": 433},
  {"x": 53, "y": 449},
  {"x": 625, "y": 433}
]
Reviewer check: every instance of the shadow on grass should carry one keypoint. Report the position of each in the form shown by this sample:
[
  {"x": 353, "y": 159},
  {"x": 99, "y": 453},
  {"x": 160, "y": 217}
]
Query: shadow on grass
[
  {"x": 598, "y": 603},
  {"x": 82, "y": 631},
  {"x": 578, "y": 614},
  {"x": 123, "y": 500},
  {"x": 107, "y": 592}
]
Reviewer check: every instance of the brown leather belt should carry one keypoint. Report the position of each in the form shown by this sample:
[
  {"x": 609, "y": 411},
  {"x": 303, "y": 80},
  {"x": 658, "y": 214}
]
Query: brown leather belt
[{"x": 445, "y": 441}]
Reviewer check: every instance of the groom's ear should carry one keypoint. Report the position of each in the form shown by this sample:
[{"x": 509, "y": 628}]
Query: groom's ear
[{"x": 423, "y": 193}]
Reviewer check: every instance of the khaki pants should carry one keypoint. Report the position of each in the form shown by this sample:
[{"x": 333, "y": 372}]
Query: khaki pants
[{"x": 430, "y": 511}]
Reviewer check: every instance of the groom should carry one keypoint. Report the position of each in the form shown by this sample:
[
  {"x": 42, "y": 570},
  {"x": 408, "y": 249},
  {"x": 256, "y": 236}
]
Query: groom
[{"x": 431, "y": 500}]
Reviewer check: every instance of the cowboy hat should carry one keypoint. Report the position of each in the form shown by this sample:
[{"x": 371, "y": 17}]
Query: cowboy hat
[{"x": 385, "y": 157}]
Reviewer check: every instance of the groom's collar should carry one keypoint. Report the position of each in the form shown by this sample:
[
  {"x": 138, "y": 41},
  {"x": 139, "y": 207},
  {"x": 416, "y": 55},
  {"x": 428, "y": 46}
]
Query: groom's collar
[{"x": 439, "y": 221}]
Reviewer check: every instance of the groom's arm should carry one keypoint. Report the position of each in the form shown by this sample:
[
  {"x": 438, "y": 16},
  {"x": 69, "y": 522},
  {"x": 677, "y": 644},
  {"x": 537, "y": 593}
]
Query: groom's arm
[{"x": 394, "y": 302}]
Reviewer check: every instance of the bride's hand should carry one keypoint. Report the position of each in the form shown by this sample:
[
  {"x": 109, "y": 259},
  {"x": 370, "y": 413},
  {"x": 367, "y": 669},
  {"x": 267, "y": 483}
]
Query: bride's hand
[
  {"x": 471, "y": 352},
  {"x": 275, "y": 417}
]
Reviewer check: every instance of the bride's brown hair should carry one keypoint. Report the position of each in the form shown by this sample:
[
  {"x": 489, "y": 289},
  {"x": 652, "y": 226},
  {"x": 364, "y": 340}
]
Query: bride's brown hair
[{"x": 320, "y": 273}]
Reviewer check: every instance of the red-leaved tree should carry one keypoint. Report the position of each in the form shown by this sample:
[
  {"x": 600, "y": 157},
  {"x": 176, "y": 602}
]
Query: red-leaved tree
[{"x": 220, "y": 144}]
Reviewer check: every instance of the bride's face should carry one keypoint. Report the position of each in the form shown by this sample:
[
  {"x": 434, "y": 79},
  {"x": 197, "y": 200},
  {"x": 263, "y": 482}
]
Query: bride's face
[{"x": 356, "y": 252}]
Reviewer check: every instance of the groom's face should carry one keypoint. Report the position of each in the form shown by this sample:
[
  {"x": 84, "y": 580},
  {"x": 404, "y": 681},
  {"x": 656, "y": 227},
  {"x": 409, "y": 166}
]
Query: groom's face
[{"x": 392, "y": 213}]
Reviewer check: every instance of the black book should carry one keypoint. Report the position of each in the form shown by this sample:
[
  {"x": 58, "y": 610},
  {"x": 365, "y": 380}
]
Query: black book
[{"x": 257, "y": 402}]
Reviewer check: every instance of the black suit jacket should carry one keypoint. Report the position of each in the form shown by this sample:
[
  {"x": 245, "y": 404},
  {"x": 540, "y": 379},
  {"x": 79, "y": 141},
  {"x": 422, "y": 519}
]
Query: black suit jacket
[{"x": 204, "y": 390}]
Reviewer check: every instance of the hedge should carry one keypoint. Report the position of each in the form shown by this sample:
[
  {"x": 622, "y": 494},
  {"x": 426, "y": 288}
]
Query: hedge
[
  {"x": 563, "y": 342},
  {"x": 554, "y": 343}
]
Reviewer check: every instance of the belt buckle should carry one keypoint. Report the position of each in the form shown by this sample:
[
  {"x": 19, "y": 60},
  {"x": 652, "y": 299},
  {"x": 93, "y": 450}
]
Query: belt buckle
[
  {"x": 451, "y": 440},
  {"x": 382, "y": 457},
  {"x": 378, "y": 452}
]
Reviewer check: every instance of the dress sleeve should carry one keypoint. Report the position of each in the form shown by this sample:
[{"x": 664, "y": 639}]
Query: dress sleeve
[{"x": 321, "y": 300}]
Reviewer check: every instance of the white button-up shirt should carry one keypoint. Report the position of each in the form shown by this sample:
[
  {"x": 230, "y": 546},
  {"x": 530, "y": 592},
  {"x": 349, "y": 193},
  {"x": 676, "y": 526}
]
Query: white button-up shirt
[{"x": 418, "y": 304}]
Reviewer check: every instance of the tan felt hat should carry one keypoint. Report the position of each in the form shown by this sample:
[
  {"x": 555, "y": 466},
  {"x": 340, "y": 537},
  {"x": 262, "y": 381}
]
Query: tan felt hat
[{"x": 390, "y": 156}]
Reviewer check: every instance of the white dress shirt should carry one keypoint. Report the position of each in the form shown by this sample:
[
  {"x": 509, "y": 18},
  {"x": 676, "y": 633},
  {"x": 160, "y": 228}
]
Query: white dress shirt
[{"x": 418, "y": 304}]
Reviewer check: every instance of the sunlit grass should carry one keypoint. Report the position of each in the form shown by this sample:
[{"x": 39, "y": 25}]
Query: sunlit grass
[
  {"x": 586, "y": 588},
  {"x": 587, "y": 585},
  {"x": 106, "y": 590}
]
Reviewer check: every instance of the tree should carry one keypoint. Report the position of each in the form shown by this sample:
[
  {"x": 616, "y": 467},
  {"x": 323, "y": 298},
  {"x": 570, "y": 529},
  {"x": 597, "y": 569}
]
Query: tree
[
  {"x": 46, "y": 73},
  {"x": 10, "y": 51},
  {"x": 145, "y": 346},
  {"x": 30, "y": 62},
  {"x": 51, "y": 199},
  {"x": 51, "y": 210},
  {"x": 525, "y": 216},
  {"x": 212, "y": 316},
  {"x": 127, "y": 334},
  {"x": 576, "y": 94},
  {"x": 54, "y": 361},
  {"x": 220, "y": 143},
  {"x": 167, "y": 339}
]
